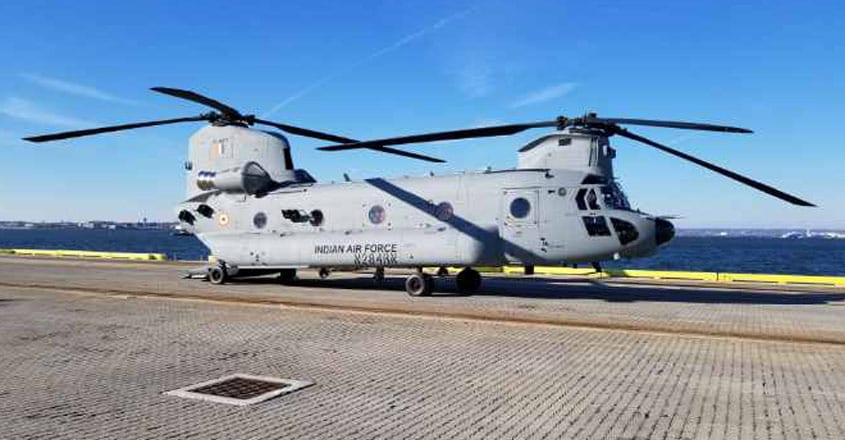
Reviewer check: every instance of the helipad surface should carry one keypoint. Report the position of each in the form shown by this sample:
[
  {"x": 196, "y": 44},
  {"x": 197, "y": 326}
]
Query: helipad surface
[{"x": 87, "y": 349}]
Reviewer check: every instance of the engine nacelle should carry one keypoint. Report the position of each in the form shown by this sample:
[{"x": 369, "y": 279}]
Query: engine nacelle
[{"x": 250, "y": 178}]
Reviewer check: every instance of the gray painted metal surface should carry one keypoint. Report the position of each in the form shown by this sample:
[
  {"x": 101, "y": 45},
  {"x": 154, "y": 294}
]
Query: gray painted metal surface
[{"x": 528, "y": 215}]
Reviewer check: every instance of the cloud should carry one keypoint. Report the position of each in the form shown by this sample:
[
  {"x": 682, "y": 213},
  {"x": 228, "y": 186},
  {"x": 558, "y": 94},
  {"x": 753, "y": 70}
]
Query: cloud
[
  {"x": 396, "y": 45},
  {"x": 475, "y": 79},
  {"x": 73, "y": 88},
  {"x": 28, "y": 111},
  {"x": 547, "y": 94}
]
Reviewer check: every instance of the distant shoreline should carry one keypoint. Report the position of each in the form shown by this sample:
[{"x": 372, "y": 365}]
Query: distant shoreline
[{"x": 786, "y": 233}]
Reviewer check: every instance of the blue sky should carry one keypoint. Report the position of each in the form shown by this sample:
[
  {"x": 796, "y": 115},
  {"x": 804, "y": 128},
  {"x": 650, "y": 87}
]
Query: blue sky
[{"x": 382, "y": 68}]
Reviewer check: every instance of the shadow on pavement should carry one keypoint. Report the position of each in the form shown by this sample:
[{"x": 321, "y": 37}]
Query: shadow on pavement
[{"x": 572, "y": 288}]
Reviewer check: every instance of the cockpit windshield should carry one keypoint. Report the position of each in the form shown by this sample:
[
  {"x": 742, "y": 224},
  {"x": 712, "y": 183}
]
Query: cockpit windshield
[{"x": 613, "y": 197}]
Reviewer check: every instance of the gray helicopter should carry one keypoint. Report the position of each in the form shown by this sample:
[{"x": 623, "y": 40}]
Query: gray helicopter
[{"x": 258, "y": 214}]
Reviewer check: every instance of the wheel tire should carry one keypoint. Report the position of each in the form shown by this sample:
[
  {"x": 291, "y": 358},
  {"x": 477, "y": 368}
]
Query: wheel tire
[
  {"x": 287, "y": 276},
  {"x": 217, "y": 275},
  {"x": 468, "y": 280},
  {"x": 419, "y": 284},
  {"x": 324, "y": 273}
]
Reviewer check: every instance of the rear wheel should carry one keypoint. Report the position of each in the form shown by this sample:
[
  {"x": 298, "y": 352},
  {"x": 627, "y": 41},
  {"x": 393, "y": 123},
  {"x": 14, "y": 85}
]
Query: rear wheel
[
  {"x": 217, "y": 275},
  {"x": 419, "y": 284},
  {"x": 468, "y": 280},
  {"x": 287, "y": 276}
]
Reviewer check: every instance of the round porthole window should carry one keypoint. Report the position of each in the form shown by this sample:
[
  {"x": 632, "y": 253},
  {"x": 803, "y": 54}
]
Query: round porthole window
[
  {"x": 443, "y": 211},
  {"x": 376, "y": 214},
  {"x": 316, "y": 217},
  {"x": 260, "y": 220},
  {"x": 520, "y": 207}
]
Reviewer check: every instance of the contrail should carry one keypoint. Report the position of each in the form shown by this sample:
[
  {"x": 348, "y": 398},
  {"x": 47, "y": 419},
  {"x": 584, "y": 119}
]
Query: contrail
[{"x": 379, "y": 53}]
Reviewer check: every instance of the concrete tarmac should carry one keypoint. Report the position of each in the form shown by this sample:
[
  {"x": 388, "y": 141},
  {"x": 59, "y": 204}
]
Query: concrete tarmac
[{"x": 87, "y": 349}]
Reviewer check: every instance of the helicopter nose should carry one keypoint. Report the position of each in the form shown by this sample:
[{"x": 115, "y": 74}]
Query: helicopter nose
[{"x": 664, "y": 231}]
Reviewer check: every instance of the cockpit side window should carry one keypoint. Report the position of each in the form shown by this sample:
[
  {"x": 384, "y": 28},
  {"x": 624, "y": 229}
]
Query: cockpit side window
[
  {"x": 596, "y": 226},
  {"x": 579, "y": 199},
  {"x": 593, "y": 200},
  {"x": 614, "y": 198}
]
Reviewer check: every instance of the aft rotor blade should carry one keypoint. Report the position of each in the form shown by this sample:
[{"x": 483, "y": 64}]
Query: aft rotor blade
[
  {"x": 727, "y": 173},
  {"x": 305, "y": 132},
  {"x": 495, "y": 130},
  {"x": 199, "y": 99},
  {"x": 668, "y": 124},
  {"x": 109, "y": 129},
  {"x": 406, "y": 154}
]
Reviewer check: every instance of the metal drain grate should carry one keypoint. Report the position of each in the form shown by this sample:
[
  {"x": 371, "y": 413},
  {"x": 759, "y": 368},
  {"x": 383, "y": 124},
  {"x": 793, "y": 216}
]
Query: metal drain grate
[{"x": 240, "y": 389}]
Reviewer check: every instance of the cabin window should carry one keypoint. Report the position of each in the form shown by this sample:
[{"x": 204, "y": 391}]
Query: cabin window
[
  {"x": 596, "y": 226},
  {"x": 520, "y": 207},
  {"x": 376, "y": 214},
  {"x": 260, "y": 220},
  {"x": 443, "y": 211},
  {"x": 316, "y": 217},
  {"x": 205, "y": 210}
]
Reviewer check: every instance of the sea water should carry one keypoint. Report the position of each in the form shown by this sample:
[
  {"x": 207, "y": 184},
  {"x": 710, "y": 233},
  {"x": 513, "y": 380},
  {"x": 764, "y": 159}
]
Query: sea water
[{"x": 805, "y": 256}]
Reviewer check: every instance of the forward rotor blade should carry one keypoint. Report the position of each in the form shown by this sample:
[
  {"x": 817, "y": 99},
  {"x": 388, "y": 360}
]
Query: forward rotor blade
[
  {"x": 199, "y": 99},
  {"x": 727, "y": 173},
  {"x": 495, "y": 130},
  {"x": 109, "y": 129},
  {"x": 305, "y": 132},
  {"x": 334, "y": 138},
  {"x": 668, "y": 124}
]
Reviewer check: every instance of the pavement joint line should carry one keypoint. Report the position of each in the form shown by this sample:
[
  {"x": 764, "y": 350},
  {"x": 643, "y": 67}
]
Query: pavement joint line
[{"x": 453, "y": 316}]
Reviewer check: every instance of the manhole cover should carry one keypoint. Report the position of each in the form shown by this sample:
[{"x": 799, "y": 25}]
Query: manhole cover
[{"x": 240, "y": 389}]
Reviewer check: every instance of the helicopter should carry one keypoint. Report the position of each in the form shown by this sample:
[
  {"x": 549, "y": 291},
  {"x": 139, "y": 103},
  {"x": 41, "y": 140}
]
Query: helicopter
[{"x": 258, "y": 214}]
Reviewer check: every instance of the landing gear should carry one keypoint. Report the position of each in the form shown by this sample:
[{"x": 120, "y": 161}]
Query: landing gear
[
  {"x": 217, "y": 275},
  {"x": 378, "y": 276},
  {"x": 443, "y": 272},
  {"x": 419, "y": 284},
  {"x": 324, "y": 273},
  {"x": 287, "y": 276},
  {"x": 468, "y": 280},
  {"x": 596, "y": 266}
]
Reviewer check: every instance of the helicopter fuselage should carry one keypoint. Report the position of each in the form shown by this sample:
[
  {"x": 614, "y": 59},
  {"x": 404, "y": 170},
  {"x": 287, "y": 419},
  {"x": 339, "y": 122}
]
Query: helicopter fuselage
[{"x": 521, "y": 216}]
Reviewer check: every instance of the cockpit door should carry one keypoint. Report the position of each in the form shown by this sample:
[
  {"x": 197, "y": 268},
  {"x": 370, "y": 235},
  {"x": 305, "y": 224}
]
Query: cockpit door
[{"x": 518, "y": 228}]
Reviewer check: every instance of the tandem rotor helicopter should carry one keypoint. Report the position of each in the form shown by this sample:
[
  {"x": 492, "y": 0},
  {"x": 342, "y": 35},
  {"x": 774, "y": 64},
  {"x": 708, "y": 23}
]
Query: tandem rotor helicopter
[{"x": 258, "y": 214}]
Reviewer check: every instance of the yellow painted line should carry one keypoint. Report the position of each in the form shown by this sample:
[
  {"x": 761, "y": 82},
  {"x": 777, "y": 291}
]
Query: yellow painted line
[
  {"x": 554, "y": 270},
  {"x": 720, "y": 277},
  {"x": 86, "y": 254},
  {"x": 664, "y": 274},
  {"x": 781, "y": 279}
]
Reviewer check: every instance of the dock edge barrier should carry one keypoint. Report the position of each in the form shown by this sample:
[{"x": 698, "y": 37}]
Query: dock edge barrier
[{"x": 85, "y": 254}]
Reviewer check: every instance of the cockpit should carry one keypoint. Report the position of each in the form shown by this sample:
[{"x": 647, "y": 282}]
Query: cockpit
[{"x": 609, "y": 196}]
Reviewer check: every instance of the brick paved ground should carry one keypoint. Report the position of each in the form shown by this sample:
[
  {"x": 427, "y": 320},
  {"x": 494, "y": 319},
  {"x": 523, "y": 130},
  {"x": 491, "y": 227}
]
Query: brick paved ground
[
  {"x": 809, "y": 315},
  {"x": 92, "y": 366}
]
